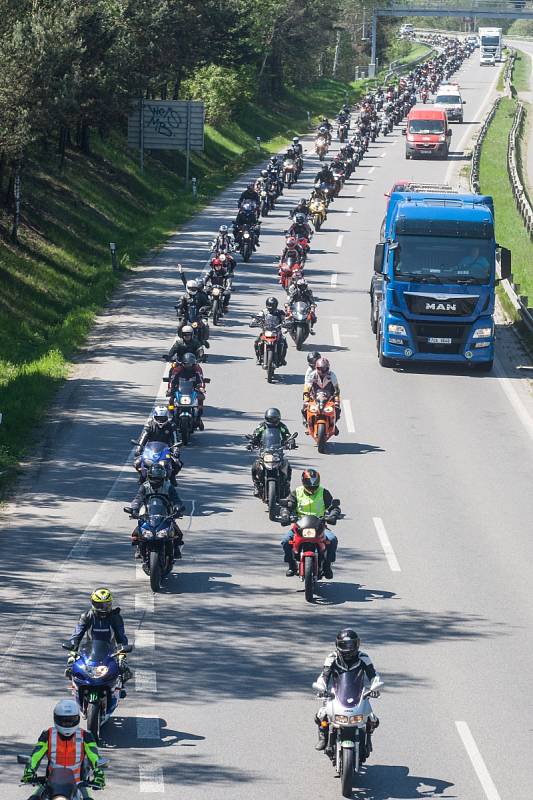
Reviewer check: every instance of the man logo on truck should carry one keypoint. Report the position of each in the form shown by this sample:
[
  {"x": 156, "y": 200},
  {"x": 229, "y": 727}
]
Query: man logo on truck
[{"x": 441, "y": 306}]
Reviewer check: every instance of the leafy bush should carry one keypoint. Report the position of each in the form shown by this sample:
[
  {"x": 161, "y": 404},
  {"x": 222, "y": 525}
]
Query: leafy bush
[{"x": 222, "y": 89}]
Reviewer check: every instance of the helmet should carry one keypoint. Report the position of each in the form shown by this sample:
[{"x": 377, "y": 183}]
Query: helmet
[
  {"x": 301, "y": 283},
  {"x": 66, "y": 717},
  {"x": 160, "y": 416},
  {"x": 273, "y": 160},
  {"x": 291, "y": 242},
  {"x": 156, "y": 476},
  {"x": 272, "y": 417},
  {"x": 264, "y": 173},
  {"x": 299, "y": 218},
  {"x": 102, "y": 601},
  {"x": 312, "y": 358},
  {"x": 251, "y": 186},
  {"x": 223, "y": 229},
  {"x": 310, "y": 480},
  {"x": 192, "y": 287},
  {"x": 216, "y": 263},
  {"x": 302, "y": 202},
  {"x": 322, "y": 366},
  {"x": 271, "y": 304},
  {"x": 189, "y": 360},
  {"x": 187, "y": 332},
  {"x": 347, "y": 644},
  {"x": 296, "y": 139}
]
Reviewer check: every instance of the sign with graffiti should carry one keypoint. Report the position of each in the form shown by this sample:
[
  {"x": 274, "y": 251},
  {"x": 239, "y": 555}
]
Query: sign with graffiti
[{"x": 167, "y": 125}]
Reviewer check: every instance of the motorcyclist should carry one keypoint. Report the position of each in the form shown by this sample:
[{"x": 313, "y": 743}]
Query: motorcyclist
[
  {"x": 325, "y": 175},
  {"x": 272, "y": 420},
  {"x": 250, "y": 193},
  {"x": 219, "y": 275},
  {"x": 300, "y": 291},
  {"x": 297, "y": 145},
  {"x": 194, "y": 298},
  {"x": 247, "y": 215},
  {"x": 294, "y": 249},
  {"x": 346, "y": 657},
  {"x": 300, "y": 227},
  {"x": 326, "y": 126},
  {"x": 157, "y": 484},
  {"x": 160, "y": 428},
  {"x": 187, "y": 342},
  {"x": 66, "y": 745},
  {"x": 312, "y": 358},
  {"x": 102, "y": 623},
  {"x": 310, "y": 498},
  {"x": 302, "y": 207},
  {"x": 189, "y": 369},
  {"x": 323, "y": 379},
  {"x": 272, "y": 310}
]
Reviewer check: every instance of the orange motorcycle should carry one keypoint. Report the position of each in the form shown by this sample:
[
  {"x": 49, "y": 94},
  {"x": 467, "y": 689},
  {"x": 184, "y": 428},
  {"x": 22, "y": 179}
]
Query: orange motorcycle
[{"x": 321, "y": 419}]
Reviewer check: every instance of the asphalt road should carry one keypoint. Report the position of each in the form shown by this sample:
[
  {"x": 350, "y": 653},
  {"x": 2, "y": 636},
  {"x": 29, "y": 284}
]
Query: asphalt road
[{"x": 441, "y": 460}]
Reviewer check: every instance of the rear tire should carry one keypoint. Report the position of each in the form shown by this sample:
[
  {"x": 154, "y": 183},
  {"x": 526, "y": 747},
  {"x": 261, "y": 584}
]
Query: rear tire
[
  {"x": 93, "y": 720},
  {"x": 270, "y": 365},
  {"x": 155, "y": 571},
  {"x": 271, "y": 499},
  {"x": 308, "y": 579},
  {"x": 347, "y": 767},
  {"x": 321, "y": 437}
]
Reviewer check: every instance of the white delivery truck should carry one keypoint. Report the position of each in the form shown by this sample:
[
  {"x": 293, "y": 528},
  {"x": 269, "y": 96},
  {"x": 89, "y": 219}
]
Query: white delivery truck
[
  {"x": 448, "y": 97},
  {"x": 490, "y": 45}
]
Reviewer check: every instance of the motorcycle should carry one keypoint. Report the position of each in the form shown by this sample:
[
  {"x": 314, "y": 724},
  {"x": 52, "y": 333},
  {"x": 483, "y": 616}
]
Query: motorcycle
[
  {"x": 217, "y": 294},
  {"x": 59, "y": 783},
  {"x": 287, "y": 269},
  {"x": 424, "y": 96},
  {"x": 318, "y": 211},
  {"x": 298, "y": 321},
  {"x": 374, "y": 131},
  {"x": 308, "y": 543},
  {"x": 270, "y": 338},
  {"x": 343, "y": 131},
  {"x": 185, "y": 407},
  {"x": 197, "y": 319},
  {"x": 321, "y": 419},
  {"x": 275, "y": 469},
  {"x": 321, "y": 147},
  {"x": 157, "y": 530},
  {"x": 348, "y": 711},
  {"x": 96, "y": 683},
  {"x": 154, "y": 453},
  {"x": 264, "y": 202},
  {"x": 338, "y": 174},
  {"x": 246, "y": 243},
  {"x": 289, "y": 172}
]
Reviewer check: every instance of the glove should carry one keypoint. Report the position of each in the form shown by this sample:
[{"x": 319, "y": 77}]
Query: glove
[
  {"x": 98, "y": 778},
  {"x": 71, "y": 657},
  {"x": 29, "y": 774},
  {"x": 320, "y": 684},
  {"x": 138, "y": 451},
  {"x": 374, "y": 693}
]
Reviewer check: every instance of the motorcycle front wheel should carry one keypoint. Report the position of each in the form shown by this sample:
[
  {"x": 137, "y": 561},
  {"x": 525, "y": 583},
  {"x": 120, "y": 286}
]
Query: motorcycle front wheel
[
  {"x": 155, "y": 571},
  {"x": 321, "y": 437},
  {"x": 300, "y": 337},
  {"x": 185, "y": 429},
  {"x": 271, "y": 500},
  {"x": 216, "y": 312},
  {"x": 347, "y": 769},
  {"x": 270, "y": 365},
  {"x": 309, "y": 579},
  {"x": 93, "y": 720}
]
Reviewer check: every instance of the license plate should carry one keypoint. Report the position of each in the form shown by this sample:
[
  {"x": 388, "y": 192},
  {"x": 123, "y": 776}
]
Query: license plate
[{"x": 439, "y": 340}]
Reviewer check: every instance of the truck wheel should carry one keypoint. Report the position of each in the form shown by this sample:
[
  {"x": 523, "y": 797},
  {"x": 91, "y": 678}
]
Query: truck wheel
[
  {"x": 373, "y": 318},
  {"x": 484, "y": 366}
]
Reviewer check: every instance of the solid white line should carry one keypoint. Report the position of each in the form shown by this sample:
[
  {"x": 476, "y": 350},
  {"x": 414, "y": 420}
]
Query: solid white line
[
  {"x": 148, "y": 728},
  {"x": 336, "y": 335},
  {"x": 349, "y": 212},
  {"x": 340, "y": 237},
  {"x": 386, "y": 545},
  {"x": 477, "y": 761},
  {"x": 144, "y": 602},
  {"x": 371, "y": 170},
  {"x": 334, "y": 280},
  {"x": 151, "y": 780},
  {"x": 512, "y": 395},
  {"x": 360, "y": 188},
  {"x": 145, "y": 680},
  {"x": 348, "y": 416}
]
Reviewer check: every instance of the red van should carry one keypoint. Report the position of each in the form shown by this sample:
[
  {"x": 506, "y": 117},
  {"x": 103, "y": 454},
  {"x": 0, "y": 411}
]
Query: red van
[{"x": 427, "y": 133}]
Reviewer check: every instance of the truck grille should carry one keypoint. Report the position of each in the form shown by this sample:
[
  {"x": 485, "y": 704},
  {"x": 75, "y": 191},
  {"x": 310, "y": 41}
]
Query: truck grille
[{"x": 424, "y": 331}]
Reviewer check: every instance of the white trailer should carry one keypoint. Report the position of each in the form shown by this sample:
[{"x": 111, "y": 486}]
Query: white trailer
[{"x": 490, "y": 44}]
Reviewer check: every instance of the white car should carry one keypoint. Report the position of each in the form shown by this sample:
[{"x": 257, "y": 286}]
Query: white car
[
  {"x": 448, "y": 97},
  {"x": 487, "y": 59}
]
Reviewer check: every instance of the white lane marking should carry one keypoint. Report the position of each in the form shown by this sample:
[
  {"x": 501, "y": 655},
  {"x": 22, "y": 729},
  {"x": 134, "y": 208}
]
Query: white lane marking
[
  {"x": 191, "y": 515},
  {"x": 386, "y": 545},
  {"x": 360, "y": 188},
  {"x": 336, "y": 335},
  {"x": 148, "y": 728},
  {"x": 151, "y": 780},
  {"x": 145, "y": 680},
  {"x": 144, "y": 602},
  {"x": 348, "y": 416},
  {"x": 383, "y": 154},
  {"x": 371, "y": 170},
  {"x": 340, "y": 237},
  {"x": 145, "y": 640},
  {"x": 517, "y": 404},
  {"x": 140, "y": 574},
  {"x": 476, "y": 758},
  {"x": 334, "y": 280},
  {"x": 349, "y": 212}
]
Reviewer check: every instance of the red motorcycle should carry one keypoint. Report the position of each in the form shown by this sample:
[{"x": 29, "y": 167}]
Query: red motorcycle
[
  {"x": 287, "y": 271},
  {"x": 424, "y": 95}
]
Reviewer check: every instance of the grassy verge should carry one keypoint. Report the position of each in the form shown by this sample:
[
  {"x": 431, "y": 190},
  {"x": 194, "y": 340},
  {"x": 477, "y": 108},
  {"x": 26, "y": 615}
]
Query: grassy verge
[
  {"x": 59, "y": 276},
  {"x": 417, "y": 51},
  {"x": 522, "y": 72}
]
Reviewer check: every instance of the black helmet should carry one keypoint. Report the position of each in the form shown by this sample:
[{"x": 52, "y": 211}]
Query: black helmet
[
  {"x": 271, "y": 304},
  {"x": 299, "y": 218},
  {"x": 156, "y": 476},
  {"x": 189, "y": 360},
  {"x": 302, "y": 202},
  {"x": 347, "y": 646},
  {"x": 272, "y": 417},
  {"x": 312, "y": 358},
  {"x": 310, "y": 480},
  {"x": 264, "y": 173}
]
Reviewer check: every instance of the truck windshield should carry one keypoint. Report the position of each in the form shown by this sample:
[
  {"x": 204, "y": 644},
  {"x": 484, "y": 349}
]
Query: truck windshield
[
  {"x": 443, "y": 259},
  {"x": 426, "y": 126},
  {"x": 490, "y": 41},
  {"x": 449, "y": 99}
]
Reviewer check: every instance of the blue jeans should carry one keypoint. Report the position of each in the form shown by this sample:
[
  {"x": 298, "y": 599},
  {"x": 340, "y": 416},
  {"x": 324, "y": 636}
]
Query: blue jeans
[{"x": 331, "y": 547}]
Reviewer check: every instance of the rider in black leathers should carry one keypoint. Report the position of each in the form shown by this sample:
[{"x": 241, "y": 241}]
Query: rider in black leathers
[
  {"x": 271, "y": 309},
  {"x": 161, "y": 428}
]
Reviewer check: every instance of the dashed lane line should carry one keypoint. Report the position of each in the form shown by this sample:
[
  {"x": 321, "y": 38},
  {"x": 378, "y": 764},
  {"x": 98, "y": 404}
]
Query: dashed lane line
[
  {"x": 349, "y": 212},
  {"x": 348, "y": 416},
  {"x": 478, "y": 763},
  {"x": 145, "y": 680},
  {"x": 336, "y": 334},
  {"x": 386, "y": 544},
  {"x": 151, "y": 780},
  {"x": 334, "y": 280},
  {"x": 340, "y": 238}
]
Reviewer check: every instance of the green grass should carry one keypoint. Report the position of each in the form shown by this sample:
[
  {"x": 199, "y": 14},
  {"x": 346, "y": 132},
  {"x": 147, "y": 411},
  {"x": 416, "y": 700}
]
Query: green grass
[
  {"x": 417, "y": 51},
  {"x": 510, "y": 231},
  {"x": 522, "y": 72},
  {"x": 59, "y": 276}
]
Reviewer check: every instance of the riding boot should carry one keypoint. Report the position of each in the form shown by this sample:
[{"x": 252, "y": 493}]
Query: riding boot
[{"x": 322, "y": 736}]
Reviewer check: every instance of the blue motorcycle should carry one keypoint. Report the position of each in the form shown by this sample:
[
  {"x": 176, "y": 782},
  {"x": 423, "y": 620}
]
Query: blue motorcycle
[
  {"x": 96, "y": 681},
  {"x": 154, "y": 453},
  {"x": 157, "y": 531},
  {"x": 185, "y": 408}
]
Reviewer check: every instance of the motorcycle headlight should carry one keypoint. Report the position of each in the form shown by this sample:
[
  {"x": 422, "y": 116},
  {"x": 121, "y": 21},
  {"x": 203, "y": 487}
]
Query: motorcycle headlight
[
  {"x": 269, "y": 333},
  {"x": 482, "y": 333},
  {"x": 342, "y": 718},
  {"x": 147, "y": 533},
  {"x": 215, "y": 292},
  {"x": 100, "y": 671},
  {"x": 399, "y": 330},
  {"x": 268, "y": 458},
  {"x": 246, "y": 235},
  {"x": 162, "y": 534},
  {"x": 308, "y": 533},
  {"x": 356, "y": 718},
  {"x": 185, "y": 401}
]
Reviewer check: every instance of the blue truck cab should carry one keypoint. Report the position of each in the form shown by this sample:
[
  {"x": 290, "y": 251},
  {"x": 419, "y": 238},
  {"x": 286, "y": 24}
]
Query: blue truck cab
[{"x": 434, "y": 281}]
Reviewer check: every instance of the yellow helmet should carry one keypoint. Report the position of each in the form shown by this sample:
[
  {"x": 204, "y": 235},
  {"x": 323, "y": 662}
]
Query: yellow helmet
[{"x": 102, "y": 601}]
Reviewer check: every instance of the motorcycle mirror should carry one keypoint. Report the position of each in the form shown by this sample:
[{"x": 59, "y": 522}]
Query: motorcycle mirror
[
  {"x": 66, "y": 645},
  {"x": 207, "y": 380},
  {"x": 335, "y": 503},
  {"x": 128, "y": 510},
  {"x": 127, "y": 648},
  {"x": 23, "y": 759},
  {"x": 166, "y": 380},
  {"x": 134, "y": 441}
]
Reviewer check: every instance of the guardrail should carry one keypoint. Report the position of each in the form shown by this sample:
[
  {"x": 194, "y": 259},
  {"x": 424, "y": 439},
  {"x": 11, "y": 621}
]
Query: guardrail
[
  {"x": 512, "y": 290},
  {"x": 396, "y": 68},
  {"x": 476, "y": 153},
  {"x": 508, "y": 73}
]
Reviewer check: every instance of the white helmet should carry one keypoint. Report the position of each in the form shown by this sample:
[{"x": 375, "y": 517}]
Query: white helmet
[
  {"x": 160, "y": 416},
  {"x": 296, "y": 139},
  {"x": 67, "y": 717},
  {"x": 192, "y": 287}
]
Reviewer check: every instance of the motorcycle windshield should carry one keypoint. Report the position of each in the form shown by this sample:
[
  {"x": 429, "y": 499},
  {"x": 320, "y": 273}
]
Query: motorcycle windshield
[
  {"x": 186, "y": 386},
  {"x": 349, "y": 687},
  {"x": 154, "y": 451},
  {"x": 300, "y": 309},
  {"x": 272, "y": 439},
  {"x": 96, "y": 651},
  {"x": 61, "y": 782},
  {"x": 271, "y": 322},
  {"x": 157, "y": 511}
]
